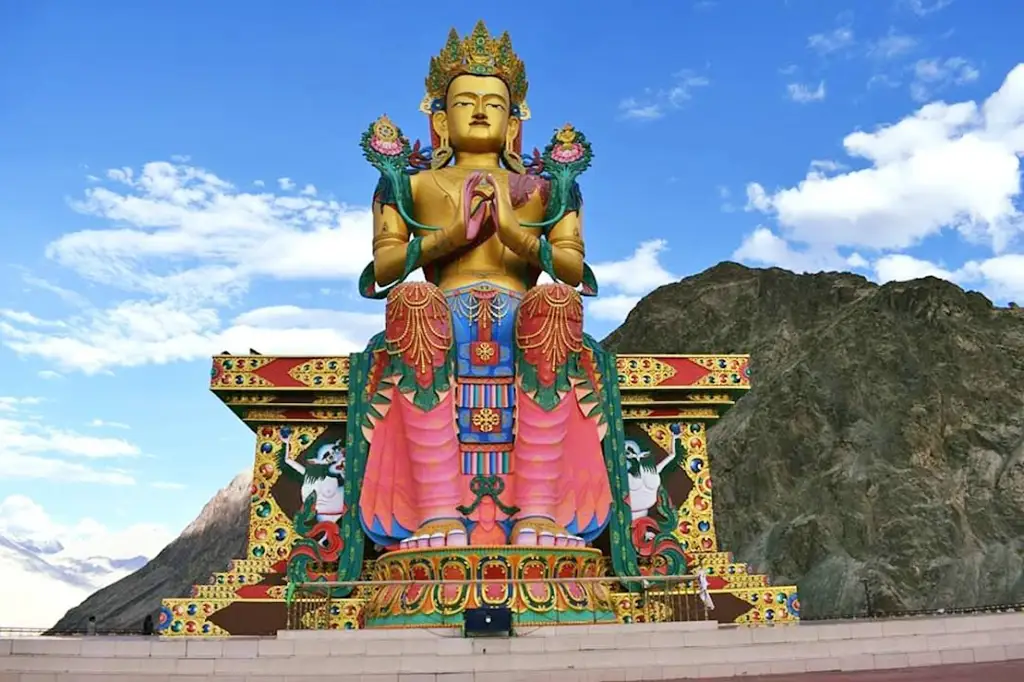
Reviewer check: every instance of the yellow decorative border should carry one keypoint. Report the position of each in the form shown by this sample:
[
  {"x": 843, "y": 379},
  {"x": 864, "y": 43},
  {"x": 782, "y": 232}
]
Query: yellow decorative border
[
  {"x": 680, "y": 413},
  {"x": 237, "y": 372},
  {"x": 270, "y": 530},
  {"x": 695, "y": 526},
  {"x": 636, "y": 372},
  {"x": 645, "y": 371},
  {"x": 322, "y": 372}
]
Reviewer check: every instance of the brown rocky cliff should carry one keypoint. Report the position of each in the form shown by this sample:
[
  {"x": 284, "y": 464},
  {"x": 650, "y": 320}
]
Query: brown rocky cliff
[
  {"x": 882, "y": 441},
  {"x": 207, "y": 545}
]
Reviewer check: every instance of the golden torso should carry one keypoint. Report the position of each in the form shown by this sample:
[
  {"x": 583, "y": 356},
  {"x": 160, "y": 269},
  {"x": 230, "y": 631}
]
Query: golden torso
[{"x": 437, "y": 200}]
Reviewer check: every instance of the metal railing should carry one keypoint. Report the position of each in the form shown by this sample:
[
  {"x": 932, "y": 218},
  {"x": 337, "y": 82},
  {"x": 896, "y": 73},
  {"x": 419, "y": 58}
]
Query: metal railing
[{"x": 561, "y": 601}]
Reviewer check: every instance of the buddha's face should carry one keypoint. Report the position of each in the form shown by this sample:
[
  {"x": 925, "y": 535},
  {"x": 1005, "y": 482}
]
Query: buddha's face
[{"x": 477, "y": 115}]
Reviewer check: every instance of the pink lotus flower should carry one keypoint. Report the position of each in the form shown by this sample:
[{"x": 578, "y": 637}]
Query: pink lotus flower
[
  {"x": 386, "y": 147},
  {"x": 567, "y": 153}
]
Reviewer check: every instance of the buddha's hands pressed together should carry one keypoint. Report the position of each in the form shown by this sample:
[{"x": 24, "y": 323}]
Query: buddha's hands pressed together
[
  {"x": 479, "y": 211},
  {"x": 487, "y": 208}
]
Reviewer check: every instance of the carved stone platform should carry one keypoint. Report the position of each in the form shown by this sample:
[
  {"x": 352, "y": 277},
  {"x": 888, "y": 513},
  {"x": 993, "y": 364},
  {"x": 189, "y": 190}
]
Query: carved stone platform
[
  {"x": 538, "y": 603},
  {"x": 668, "y": 404}
]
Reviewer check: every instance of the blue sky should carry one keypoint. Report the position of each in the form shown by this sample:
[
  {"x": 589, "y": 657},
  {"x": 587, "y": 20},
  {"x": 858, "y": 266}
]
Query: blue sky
[{"x": 178, "y": 179}]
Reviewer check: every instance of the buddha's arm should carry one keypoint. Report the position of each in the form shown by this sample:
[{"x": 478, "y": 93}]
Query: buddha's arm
[
  {"x": 391, "y": 240},
  {"x": 566, "y": 247}
]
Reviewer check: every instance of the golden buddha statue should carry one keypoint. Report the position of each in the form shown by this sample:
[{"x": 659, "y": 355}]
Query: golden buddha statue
[{"x": 485, "y": 415}]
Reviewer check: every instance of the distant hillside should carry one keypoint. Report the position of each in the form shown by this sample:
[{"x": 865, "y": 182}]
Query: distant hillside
[
  {"x": 207, "y": 545},
  {"x": 882, "y": 441}
]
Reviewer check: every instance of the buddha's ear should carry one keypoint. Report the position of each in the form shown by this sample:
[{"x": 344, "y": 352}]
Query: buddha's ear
[
  {"x": 439, "y": 123},
  {"x": 514, "y": 125}
]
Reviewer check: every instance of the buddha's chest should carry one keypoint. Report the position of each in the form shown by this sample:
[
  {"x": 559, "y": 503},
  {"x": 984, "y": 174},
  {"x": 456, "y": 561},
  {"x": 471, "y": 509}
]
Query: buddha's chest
[{"x": 438, "y": 196}]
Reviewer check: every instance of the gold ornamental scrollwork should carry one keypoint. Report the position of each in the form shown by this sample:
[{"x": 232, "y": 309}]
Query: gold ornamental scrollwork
[
  {"x": 264, "y": 415},
  {"x": 322, "y": 373},
  {"x": 643, "y": 372},
  {"x": 239, "y": 372}
]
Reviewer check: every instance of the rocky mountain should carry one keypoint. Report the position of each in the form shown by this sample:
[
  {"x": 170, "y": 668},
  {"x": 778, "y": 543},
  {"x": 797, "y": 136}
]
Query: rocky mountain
[
  {"x": 881, "y": 447},
  {"x": 882, "y": 441},
  {"x": 207, "y": 545}
]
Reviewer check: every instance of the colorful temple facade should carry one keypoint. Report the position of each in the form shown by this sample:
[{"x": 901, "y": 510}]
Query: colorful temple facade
[
  {"x": 482, "y": 450},
  {"x": 668, "y": 404}
]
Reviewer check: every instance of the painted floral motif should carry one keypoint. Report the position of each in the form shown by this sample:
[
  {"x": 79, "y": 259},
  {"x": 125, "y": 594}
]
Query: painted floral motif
[
  {"x": 568, "y": 148},
  {"x": 385, "y": 139}
]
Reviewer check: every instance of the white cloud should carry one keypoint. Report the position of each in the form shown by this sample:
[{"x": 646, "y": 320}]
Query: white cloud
[
  {"x": 103, "y": 424},
  {"x": 182, "y": 243},
  {"x": 167, "y": 485},
  {"x": 763, "y": 247},
  {"x": 925, "y": 7},
  {"x": 944, "y": 167},
  {"x": 883, "y": 80},
  {"x": 725, "y": 195},
  {"x": 181, "y": 231},
  {"x": 624, "y": 282},
  {"x": 611, "y": 308},
  {"x": 931, "y": 76},
  {"x": 893, "y": 44},
  {"x": 290, "y": 330},
  {"x": 37, "y": 588},
  {"x": 287, "y": 184},
  {"x": 654, "y": 104},
  {"x": 827, "y": 166},
  {"x": 29, "y": 438},
  {"x": 1001, "y": 277},
  {"x": 13, "y": 403},
  {"x": 308, "y": 191},
  {"x": 26, "y": 318},
  {"x": 798, "y": 92},
  {"x": 70, "y": 297},
  {"x": 898, "y": 267},
  {"x": 37, "y": 450},
  {"x": 49, "y": 374},
  {"x": 832, "y": 41},
  {"x": 23, "y": 518},
  {"x": 135, "y": 333},
  {"x": 639, "y": 273}
]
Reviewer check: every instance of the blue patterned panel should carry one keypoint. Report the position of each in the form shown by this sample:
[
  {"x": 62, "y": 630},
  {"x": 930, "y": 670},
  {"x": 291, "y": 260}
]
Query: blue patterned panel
[{"x": 466, "y": 309}]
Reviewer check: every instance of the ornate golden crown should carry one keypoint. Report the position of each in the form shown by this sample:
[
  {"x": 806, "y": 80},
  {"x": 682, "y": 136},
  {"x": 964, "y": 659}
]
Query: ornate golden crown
[{"x": 477, "y": 54}]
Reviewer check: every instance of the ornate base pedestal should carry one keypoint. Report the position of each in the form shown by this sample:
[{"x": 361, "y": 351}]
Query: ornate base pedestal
[
  {"x": 668, "y": 404},
  {"x": 489, "y": 576}
]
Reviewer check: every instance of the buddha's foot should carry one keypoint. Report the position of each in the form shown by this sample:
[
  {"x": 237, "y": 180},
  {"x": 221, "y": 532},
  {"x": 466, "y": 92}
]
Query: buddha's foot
[
  {"x": 543, "y": 532},
  {"x": 437, "y": 533}
]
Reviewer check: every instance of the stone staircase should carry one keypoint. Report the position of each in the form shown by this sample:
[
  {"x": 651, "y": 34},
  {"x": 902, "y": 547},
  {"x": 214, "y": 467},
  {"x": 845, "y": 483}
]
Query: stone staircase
[{"x": 596, "y": 653}]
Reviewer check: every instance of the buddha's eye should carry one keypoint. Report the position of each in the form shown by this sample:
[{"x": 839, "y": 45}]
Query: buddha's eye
[
  {"x": 496, "y": 106},
  {"x": 463, "y": 104}
]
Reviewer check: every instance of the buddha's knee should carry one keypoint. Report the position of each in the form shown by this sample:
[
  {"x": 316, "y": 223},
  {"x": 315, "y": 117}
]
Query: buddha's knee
[
  {"x": 551, "y": 313},
  {"x": 417, "y": 320}
]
